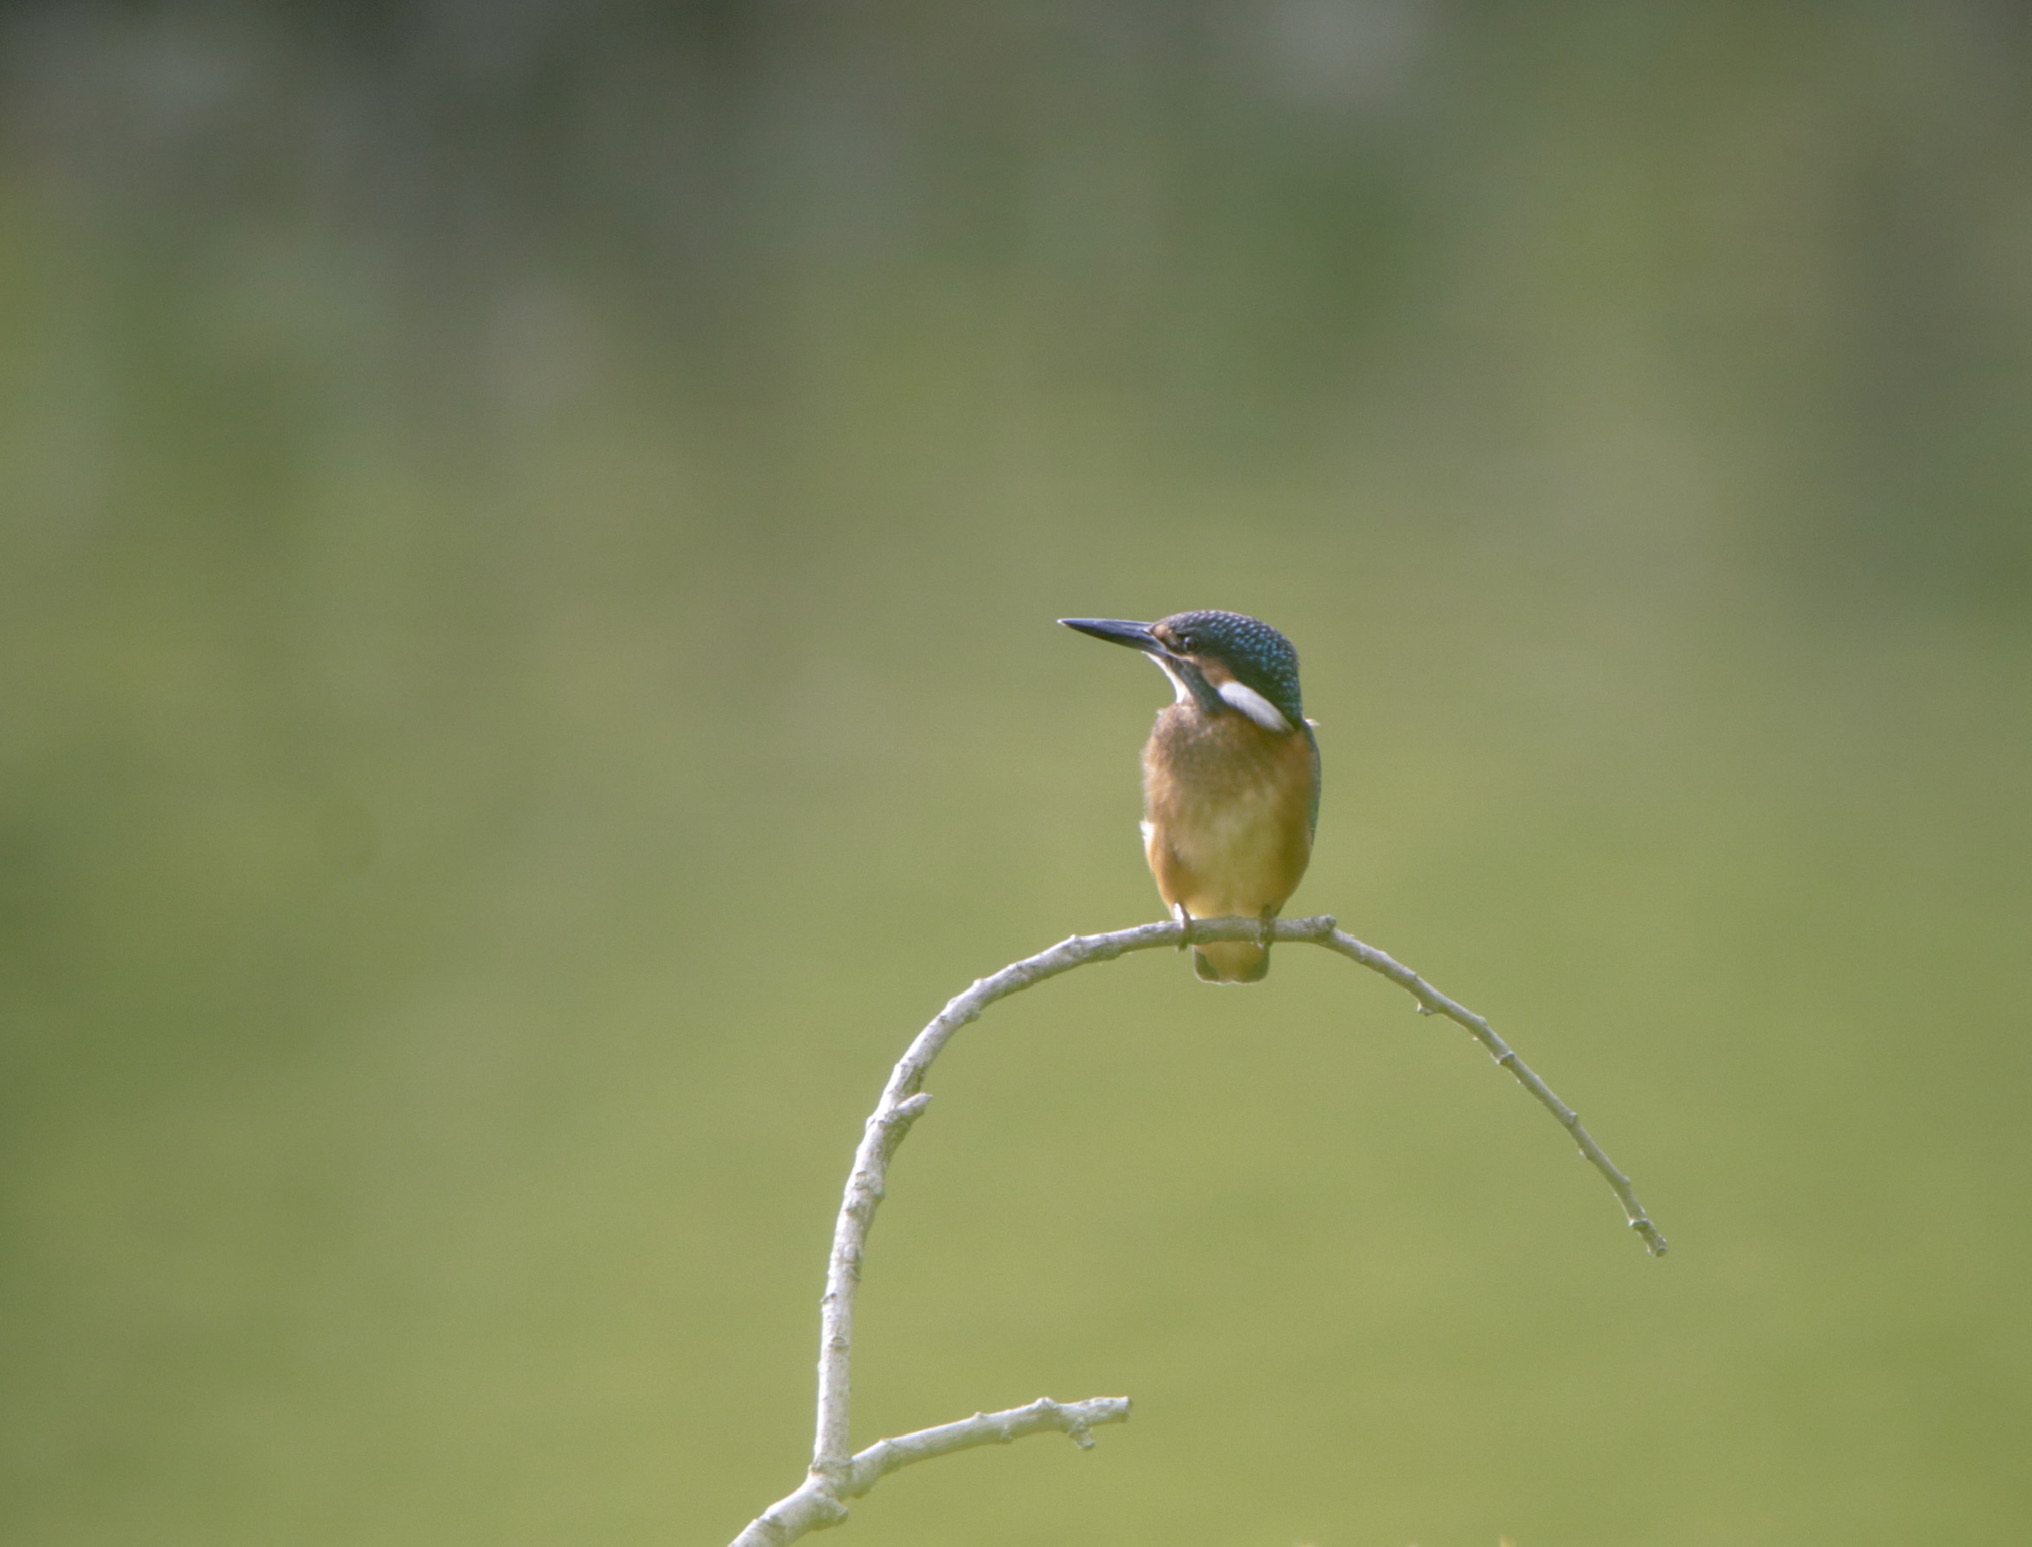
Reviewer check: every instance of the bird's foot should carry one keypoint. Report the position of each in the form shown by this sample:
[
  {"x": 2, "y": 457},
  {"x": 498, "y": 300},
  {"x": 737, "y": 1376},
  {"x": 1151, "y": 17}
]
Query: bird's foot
[{"x": 1185, "y": 925}]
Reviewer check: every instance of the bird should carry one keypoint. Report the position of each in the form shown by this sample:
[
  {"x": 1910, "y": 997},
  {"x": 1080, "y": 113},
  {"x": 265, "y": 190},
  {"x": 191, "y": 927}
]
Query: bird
[{"x": 1230, "y": 776}]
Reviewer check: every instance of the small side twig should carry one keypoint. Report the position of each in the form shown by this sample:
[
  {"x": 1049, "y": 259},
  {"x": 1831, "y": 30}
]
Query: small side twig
[
  {"x": 837, "y": 1473},
  {"x": 817, "y": 1504}
]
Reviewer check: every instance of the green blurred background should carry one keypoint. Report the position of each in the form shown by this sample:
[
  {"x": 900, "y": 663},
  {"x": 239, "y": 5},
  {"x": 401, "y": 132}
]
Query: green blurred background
[{"x": 531, "y": 537}]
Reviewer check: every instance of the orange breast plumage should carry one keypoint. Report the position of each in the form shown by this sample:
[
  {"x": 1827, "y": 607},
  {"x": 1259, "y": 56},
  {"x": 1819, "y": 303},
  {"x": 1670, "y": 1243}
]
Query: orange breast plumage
[{"x": 1228, "y": 810}]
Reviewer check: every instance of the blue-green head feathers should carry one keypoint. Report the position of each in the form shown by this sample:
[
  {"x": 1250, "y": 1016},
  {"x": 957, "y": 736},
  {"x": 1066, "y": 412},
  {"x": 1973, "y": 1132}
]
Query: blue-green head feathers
[{"x": 1258, "y": 656}]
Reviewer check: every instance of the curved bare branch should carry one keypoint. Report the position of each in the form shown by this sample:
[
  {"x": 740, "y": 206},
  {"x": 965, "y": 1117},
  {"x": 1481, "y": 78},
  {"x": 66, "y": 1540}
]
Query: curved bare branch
[{"x": 837, "y": 1473}]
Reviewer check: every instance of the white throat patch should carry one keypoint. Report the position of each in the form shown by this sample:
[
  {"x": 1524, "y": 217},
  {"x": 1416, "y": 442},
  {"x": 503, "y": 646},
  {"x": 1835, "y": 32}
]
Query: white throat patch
[
  {"x": 1254, "y": 705},
  {"x": 1182, "y": 692}
]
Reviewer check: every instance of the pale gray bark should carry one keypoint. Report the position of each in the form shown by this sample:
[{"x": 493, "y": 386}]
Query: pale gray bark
[{"x": 837, "y": 1473}]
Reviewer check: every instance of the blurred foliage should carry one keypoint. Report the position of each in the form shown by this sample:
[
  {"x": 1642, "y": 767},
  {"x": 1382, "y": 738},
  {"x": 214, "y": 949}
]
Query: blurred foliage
[{"x": 531, "y": 536}]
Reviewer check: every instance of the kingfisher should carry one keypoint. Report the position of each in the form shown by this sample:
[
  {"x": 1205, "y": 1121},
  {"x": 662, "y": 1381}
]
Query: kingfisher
[{"x": 1230, "y": 775}]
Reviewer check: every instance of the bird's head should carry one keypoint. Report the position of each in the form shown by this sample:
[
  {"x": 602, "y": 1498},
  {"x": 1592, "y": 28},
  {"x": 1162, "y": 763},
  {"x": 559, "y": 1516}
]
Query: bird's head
[{"x": 1221, "y": 661}]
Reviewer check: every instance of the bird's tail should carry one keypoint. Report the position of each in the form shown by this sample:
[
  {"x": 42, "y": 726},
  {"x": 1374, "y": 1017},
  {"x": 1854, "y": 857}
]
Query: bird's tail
[{"x": 1231, "y": 961}]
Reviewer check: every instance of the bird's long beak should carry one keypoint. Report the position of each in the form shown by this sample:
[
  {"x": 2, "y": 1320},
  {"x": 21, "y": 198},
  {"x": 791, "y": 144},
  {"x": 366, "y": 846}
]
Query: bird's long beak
[{"x": 1136, "y": 636}]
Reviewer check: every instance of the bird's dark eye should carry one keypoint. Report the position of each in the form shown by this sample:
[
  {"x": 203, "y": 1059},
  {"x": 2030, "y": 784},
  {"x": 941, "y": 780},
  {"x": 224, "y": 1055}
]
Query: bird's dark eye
[{"x": 1185, "y": 643}]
